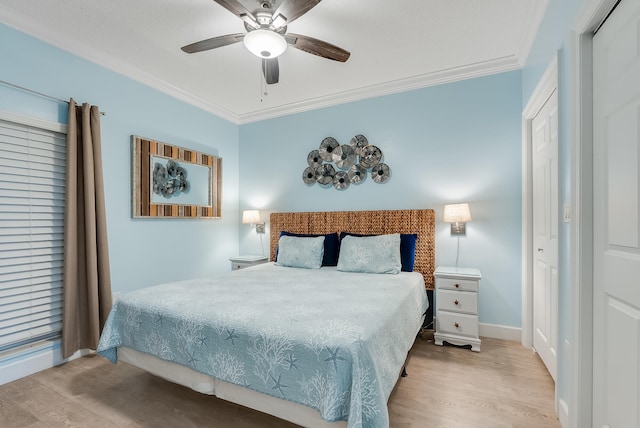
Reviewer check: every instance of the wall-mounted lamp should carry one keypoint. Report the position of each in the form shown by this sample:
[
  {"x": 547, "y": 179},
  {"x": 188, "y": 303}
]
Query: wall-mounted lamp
[
  {"x": 457, "y": 215},
  {"x": 252, "y": 217}
]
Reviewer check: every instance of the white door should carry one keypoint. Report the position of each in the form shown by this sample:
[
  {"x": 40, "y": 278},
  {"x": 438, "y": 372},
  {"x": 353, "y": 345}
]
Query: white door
[
  {"x": 616, "y": 188},
  {"x": 544, "y": 147}
]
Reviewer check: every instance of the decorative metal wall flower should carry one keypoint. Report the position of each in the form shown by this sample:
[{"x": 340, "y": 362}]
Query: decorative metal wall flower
[
  {"x": 325, "y": 173},
  {"x": 169, "y": 180},
  {"x": 352, "y": 162}
]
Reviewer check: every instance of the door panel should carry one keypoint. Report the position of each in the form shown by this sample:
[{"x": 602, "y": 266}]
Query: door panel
[
  {"x": 623, "y": 321},
  {"x": 540, "y": 180},
  {"x": 622, "y": 154},
  {"x": 541, "y": 321}
]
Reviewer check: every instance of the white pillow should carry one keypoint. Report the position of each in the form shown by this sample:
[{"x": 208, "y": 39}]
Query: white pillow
[
  {"x": 300, "y": 252},
  {"x": 370, "y": 254}
]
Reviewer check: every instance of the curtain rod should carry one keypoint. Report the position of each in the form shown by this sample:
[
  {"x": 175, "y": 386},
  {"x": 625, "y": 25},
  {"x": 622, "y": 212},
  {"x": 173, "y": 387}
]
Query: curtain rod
[{"x": 40, "y": 94}]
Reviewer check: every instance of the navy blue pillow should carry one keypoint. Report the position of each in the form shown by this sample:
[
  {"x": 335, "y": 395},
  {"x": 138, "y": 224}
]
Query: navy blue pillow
[
  {"x": 407, "y": 248},
  {"x": 331, "y": 246}
]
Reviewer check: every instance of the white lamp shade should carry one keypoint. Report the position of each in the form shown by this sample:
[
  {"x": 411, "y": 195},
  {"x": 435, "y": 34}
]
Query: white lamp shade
[
  {"x": 457, "y": 213},
  {"x": 265, "y": 43},
  {"x": 251, "y": 216}
]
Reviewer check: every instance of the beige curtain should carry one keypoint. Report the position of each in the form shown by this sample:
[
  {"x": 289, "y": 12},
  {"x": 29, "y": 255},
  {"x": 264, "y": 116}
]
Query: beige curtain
[{"x": 87, "y": 281}]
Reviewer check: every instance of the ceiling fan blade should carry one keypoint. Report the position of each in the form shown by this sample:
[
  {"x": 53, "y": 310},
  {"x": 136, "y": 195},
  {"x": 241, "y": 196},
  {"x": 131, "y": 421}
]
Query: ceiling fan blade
[
  {"x": 271, "y": 70},
  {"x": 294, "y": 9},
  {"x": 317, "y": 47},
  {"x": 215, "y": 42},
  {"x": 238, "y": 9}
]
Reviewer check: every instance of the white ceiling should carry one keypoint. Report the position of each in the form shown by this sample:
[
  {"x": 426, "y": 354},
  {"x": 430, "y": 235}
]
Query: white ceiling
[{"x": 395, "y": 46}]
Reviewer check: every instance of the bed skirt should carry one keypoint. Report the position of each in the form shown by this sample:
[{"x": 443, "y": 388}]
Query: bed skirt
[{"x": 205, "y": 384}]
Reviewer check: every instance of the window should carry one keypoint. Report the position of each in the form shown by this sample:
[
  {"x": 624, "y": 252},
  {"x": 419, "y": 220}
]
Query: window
[{"x": 32, "y": 193}]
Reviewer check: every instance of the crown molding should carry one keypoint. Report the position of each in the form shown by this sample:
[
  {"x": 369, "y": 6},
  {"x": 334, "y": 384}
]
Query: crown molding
[{"x": 453, "y": 74}]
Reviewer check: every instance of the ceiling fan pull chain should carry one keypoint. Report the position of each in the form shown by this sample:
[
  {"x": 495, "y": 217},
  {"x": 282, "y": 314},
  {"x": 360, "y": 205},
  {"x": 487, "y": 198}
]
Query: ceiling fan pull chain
[{"x": 263, "y": 87}]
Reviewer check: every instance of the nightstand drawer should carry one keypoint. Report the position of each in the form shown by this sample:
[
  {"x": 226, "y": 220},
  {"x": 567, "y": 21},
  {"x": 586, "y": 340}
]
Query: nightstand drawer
[
  {"x": 457, "y": 284},
  {"x": 458, "y": 301},
  {"x": 240, "y": 265},
  {"x": 242, "y": 262},
  {"x": 458, "y": 324}
]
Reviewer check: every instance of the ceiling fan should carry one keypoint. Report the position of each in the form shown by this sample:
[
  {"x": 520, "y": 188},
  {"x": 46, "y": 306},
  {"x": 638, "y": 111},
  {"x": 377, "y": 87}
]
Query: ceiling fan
[{"x": 267, "y": 36}]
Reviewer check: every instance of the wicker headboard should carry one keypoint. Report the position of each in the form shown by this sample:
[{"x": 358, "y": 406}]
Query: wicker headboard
[{"x": 421, "y": 222}]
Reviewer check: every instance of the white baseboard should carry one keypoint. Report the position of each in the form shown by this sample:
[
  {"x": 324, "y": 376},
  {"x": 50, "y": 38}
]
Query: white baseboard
[
  {"x": 32, "y": 360},
  {"x": 563, "y": 413},
  {"x": 501, "y": 332}
]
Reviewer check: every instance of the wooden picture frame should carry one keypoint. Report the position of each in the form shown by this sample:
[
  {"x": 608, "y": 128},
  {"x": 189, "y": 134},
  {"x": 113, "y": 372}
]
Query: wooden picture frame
[{"x": 200, "y": 175}]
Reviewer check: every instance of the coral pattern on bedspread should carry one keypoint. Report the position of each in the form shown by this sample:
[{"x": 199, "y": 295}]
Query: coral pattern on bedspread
[{"x": 334, "y": 341}]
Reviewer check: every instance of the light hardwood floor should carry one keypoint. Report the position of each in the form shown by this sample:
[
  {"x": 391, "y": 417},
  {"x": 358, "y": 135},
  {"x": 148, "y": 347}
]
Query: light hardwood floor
[{"x": 505, "y": 385}]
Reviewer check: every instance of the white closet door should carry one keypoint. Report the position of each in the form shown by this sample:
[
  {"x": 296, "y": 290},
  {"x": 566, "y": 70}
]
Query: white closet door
[{"x": 616, "y": 67}]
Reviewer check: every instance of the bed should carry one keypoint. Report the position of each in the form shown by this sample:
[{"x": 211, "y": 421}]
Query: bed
[{"x": 318, "y": 347}]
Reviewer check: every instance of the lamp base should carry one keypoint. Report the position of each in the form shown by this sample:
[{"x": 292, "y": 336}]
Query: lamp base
[
  {"x": 458, "y": 228},
  {"x": 259, "y": 227}
]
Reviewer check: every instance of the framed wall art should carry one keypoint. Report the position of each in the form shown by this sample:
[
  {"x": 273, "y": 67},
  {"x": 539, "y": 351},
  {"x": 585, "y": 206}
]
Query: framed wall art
[{"x": 171, "y": 181}]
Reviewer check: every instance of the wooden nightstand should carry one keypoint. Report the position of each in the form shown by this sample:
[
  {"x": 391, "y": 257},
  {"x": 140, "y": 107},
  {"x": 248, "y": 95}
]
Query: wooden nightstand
[
  {"x": 242, "y": 262},
  {"x": 457, "y": 306}
]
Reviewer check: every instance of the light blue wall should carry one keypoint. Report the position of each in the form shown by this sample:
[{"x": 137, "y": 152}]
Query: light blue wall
[
  {"x": 553, "y": 39},
  {"x": 459, "y": 142},
  {"x": 142, "y": 252},
  {"x": 552, "y": 36}
]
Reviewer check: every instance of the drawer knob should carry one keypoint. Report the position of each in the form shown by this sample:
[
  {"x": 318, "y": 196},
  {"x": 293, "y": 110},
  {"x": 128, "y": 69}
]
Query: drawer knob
[
  {"x": 457, "y": 285},
  {"x": 455, "y": 302},
  {"x": 456, "y": 325}
]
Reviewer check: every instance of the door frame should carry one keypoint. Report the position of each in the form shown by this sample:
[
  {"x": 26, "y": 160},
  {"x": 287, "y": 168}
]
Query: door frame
[
  {"x": 581, "y": 241},
  {"x": 546, "y": 86}
]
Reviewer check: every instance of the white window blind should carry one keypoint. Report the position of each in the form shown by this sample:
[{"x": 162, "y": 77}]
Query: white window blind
[{"x": 32, "y": 186}]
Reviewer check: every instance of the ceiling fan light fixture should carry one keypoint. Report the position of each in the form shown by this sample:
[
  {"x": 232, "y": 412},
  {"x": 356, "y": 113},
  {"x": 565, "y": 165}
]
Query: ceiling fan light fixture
[{"x": 265, "y": 43}]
